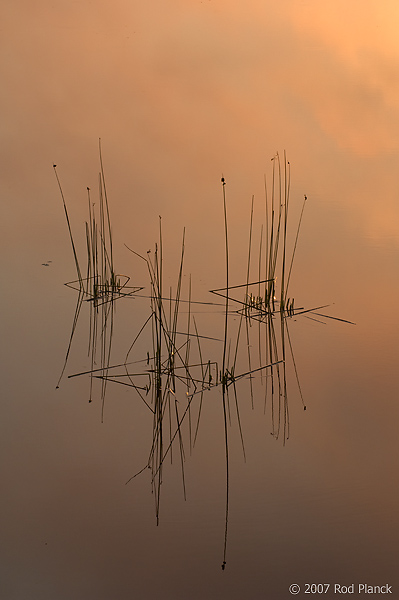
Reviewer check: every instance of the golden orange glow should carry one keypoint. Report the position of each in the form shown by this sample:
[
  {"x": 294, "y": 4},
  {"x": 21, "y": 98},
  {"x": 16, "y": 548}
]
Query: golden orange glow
[
  {"x": 183, "y": 93},
  {"x": 201, "y": 86}
]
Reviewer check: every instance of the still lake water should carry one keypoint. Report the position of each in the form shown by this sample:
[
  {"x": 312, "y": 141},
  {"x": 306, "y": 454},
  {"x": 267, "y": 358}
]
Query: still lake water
[
  {"x": 321, "y": 508},
  {"x": 181, "y": 95}
]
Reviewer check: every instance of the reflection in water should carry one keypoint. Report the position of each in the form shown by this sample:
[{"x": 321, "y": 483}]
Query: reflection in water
[
  {"x": 180, "y": 366},
  {"x": 101, "y": 286}
]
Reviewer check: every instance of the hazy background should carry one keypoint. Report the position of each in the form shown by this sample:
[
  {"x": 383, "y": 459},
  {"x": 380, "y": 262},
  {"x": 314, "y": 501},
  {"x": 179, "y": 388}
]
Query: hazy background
[{"x": 181, "y": 92}]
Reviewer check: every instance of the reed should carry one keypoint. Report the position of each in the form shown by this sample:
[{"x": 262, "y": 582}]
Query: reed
[
  {"x": 101, "y": 286},
  {"x": 174, "y": 375},
  {"x": 224, "y": 373}
]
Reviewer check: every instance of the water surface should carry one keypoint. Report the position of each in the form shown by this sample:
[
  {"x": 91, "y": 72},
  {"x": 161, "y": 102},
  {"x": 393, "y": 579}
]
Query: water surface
[{"x": 181, "y": 97}]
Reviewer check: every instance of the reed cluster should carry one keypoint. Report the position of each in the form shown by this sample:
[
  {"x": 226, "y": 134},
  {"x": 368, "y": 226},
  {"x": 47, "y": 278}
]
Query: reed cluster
[
  {"x": 101, "y": 286},
  {"x": 176, "y": 372}
]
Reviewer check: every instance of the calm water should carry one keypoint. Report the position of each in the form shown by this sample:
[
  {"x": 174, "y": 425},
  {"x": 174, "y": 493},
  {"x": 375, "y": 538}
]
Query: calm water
[{"x": 179, "y": 98}]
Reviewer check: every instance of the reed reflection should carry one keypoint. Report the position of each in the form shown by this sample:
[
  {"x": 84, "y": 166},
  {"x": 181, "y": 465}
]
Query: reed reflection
[{"x": 173, "y": 368}]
